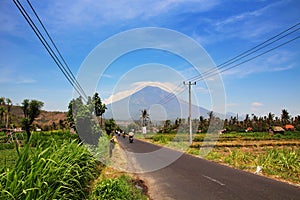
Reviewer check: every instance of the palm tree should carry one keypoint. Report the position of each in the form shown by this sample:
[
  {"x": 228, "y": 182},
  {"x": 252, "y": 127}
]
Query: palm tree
[
  {"x": 144, "y": 117},
  {"x": 271, "y": 119},
  {"x": 2, "y": 109},
  {"x": 285, "y": 117},
  {"x": 8, "y": 107}
]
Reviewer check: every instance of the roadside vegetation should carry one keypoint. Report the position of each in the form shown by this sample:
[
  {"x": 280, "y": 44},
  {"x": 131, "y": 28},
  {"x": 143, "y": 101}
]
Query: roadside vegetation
[
  {"x": 36, "y": 164},
  {"x": 55, "y": 165}
]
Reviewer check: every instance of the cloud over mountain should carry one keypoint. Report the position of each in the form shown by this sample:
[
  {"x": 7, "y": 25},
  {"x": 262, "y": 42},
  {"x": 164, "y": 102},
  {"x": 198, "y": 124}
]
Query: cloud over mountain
[{"x": 159, "y": 103}]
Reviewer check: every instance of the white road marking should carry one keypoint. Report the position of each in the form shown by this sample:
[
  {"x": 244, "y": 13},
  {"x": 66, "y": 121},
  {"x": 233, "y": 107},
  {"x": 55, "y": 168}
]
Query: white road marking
[{"x": 214, "y": 180}]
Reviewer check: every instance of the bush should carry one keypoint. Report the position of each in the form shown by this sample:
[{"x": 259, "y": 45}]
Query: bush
[
  {"x": 59, "y": 171},
  {"x": 116, "y": 188}
]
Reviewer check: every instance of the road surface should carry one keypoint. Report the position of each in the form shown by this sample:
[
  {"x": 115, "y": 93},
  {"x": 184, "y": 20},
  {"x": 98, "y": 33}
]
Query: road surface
[{"x": 190, "y": 177}]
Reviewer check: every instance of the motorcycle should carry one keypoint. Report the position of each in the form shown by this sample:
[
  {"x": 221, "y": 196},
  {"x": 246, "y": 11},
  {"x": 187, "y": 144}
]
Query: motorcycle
[
  {"x": 130, "y": 139},
  {"x": 130, "y": 136}
]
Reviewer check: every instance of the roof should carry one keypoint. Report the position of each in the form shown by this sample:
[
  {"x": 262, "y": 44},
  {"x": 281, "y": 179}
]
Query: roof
[{"x": 277, "y": 129}]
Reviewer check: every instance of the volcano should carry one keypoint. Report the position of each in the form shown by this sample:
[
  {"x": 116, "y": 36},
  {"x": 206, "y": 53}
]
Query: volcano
[{"x": 160, "y": 104}]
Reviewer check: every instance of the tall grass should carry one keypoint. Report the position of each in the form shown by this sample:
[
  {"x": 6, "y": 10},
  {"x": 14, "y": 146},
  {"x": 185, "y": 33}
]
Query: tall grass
[
  {"x": 59, "y": 171},
  {"x": 282, "y": 163}
]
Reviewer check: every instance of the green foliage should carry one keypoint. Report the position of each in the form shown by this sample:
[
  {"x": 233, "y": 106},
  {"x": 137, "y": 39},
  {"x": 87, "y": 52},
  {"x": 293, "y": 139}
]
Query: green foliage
[
  {"x": 31, "y": 110},
  {"x": 99, "y": 107},
  {"x": 110, "y": 126},
  {"x": 281, "y": 162},
  {"x": 58, "y": 171},
  {"x": 46, "y": 138},
  {"x": 80, "y": 117},
  {"x": 116, "y": 188},
  {"x": 102, "y": 151},
  {"x": 8, "y": 156},
  {"x": 161, "y": 138},
  {"x": 239, "y": 159},
  {"x": 7, "y": 146}
]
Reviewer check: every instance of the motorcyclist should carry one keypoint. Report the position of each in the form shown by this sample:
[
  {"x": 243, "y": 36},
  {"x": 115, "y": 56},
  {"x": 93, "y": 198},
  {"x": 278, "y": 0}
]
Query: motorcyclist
[{"x": 130, "y": 134}]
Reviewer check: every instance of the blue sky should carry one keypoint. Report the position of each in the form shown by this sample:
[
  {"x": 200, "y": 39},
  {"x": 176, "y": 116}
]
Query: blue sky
[{"x": 224, "y": 29}]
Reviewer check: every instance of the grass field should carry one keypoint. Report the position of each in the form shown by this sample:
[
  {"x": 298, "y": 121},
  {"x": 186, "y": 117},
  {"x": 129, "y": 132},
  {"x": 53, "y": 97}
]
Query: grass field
[{"x": 277, "y": 154}]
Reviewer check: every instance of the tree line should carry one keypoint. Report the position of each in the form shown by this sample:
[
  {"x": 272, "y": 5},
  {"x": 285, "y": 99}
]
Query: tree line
[
  {"x": 31, "y": 110},
  {"x": 233, "y": 123}
]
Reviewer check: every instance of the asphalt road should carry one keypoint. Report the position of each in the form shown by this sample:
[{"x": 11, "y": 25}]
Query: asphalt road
[{"x": 190, "y": 177}]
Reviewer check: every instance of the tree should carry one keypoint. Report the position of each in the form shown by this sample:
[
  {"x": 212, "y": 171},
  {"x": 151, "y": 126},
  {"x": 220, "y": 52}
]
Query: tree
[
  {"x": 144, "y": 117},
  {"x": 247, "y": 121},
  {"x": 202, "y": 124},
  {"x": 70, "y": 116},
  {"x": 31, "y": 110},
  {"x": 2, "y": 110},
  {"x": 270, "y": 119},
  {"x": 99, "y": 107},
  {"x": 81, "y": 119},
  {"x": 285, "y": 117},
  {"x": 110, "y": 126},
  {"x": 211, "y": 116},
  {"x": 8, "y": 107},
  {"x": 167, "y": 126}
]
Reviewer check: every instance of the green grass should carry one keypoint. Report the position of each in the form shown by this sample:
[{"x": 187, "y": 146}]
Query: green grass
[
  {"x": 55, "y": 165},
  {"x": 8, "y": 157},
  {"x": 283, "y": 163},
  {"x": 58, "y": 171},
  {"x": 121, "y": 188}
]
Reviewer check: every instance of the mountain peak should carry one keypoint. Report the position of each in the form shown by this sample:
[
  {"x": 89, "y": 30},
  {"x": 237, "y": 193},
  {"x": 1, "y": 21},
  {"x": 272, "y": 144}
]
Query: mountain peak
[{"x": 156, "y": 101}]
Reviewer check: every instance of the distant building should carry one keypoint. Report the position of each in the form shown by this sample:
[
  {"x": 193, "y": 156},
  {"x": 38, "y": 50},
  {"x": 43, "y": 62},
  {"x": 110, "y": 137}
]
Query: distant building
[
  {"x": 249, "y": 129},
  {"x": 276, "y": 129},
  {"x": 289, "y": 127}
]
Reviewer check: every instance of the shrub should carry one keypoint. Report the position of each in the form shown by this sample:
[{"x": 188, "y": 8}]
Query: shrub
[
  {"x": 116, "y": 188},
  {"x": 59, "y": 171}
]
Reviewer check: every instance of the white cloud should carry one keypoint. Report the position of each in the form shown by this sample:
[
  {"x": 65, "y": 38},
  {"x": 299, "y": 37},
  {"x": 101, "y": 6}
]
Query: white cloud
[
  {"x": 257, "y": 104},
  {"x": 140, "y": 85},
  {"x": 107, "y": 75}
]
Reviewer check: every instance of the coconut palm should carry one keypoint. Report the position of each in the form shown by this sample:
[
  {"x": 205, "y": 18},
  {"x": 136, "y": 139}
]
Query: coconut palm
[
  {"x": 8, "y": 107},
  {"x": 144, "y": 117},
  {"x": 271, "y": 119},
  {"x": 285, "y": 117}
]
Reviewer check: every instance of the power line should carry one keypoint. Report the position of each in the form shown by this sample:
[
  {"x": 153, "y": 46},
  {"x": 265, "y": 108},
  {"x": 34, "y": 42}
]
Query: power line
[
  {"x": 213, "y": 72},
  {"x": 48, "y": 47},
  {"x": 234, "y": 66},
  {"x": 171, "y": 95},
  {"x": 265, "y": 52},
  {"x": 248, "y": 52},
  {"x": 69, "y": 72}
]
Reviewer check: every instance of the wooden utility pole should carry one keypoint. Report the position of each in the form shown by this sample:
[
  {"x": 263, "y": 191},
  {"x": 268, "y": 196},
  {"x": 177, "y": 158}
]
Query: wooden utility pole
[{"x": 190, "y": 108}]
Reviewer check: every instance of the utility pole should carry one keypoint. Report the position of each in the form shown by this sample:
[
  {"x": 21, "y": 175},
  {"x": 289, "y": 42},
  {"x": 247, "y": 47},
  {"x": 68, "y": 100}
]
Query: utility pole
[{"x": 190, "y": 107}]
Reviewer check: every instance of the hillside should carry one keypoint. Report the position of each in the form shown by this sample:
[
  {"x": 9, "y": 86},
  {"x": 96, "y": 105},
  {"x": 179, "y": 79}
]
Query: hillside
[{"x": 45, "y": 119}]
